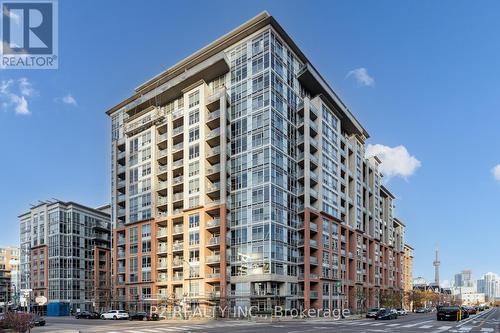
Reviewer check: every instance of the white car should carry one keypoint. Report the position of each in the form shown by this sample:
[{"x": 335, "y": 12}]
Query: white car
[
  {"x": 402, "y": 312},
  {"x": 115, "y": 314}
]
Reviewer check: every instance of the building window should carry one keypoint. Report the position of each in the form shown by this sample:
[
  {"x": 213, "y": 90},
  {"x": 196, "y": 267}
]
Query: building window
[
  {"x": 194, "y": 116},
  {"x": 194, "y": 99},
  {"x": 194, "y": 134},
  {"x": 194, "y": 151},
  {"x": 146, "y": 230},
  {"x": 194, "y": 238},
  {"x": 194, "y": 186},
  {"x": 194, "y": 221},
  {"x": 194, "y": 168}
]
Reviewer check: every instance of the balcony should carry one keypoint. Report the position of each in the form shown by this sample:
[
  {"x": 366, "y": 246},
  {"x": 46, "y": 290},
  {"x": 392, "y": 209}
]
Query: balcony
[
  {"x": 121, "y": 169},
  {"x": 214, "y": 223},
  {"x": 121, "y": 269},
  {"x": 314, "y": 112},
  {"x": 162, "y": 202},
  {"x": 213, "y": 172},
  {"x": 120, "y": 184},
  {"x": 314, "y": 144},
  {"x": 213, "y": 276},
  {"x": 162, "y": 233},
  {"x": 162, "y": 157},
  {"x": 162, "y": 187},
  {"x": 214, "y": 241},
  {"x": 177, "y": 164},
  {"x": 179, "y": 246},
  {"x": 177, "y": 114},
  {"x": 177, "y": 180},
  {"x": 313, "y": 226},
  {"x": 121, "y": 255},
  {"x": 313, "y": 260},
  {"x": 178, "y": 262},
  {"x": 162, "y": 250},
  {"x": 313, "y": 243},
  {"x": 213, "y": 137},
  {"x": 213, "y": 100},
  {"x": 314, "y": 128},
  {"x": 213, "y": 119},
  {"x": 120, "y": 155},
  {"x": 213, "y": 259},
  {"x": 162, "y": 172},
  {"x": 120, "y": 212},
  {"x": 162, "y": 265},
  {"x": 178, "y": 277},
  {"x": 213, "y": 189},
  {"x": 213, "y": 154},
  {"x": 162, "y": 278},
  {"x": 178, "y": 130},
  {"x": 177, "y": 197},
  {"x": 178, "y": 229},
  {"x": 161, "y": 214},
  {"x": 313, "y": 294}
]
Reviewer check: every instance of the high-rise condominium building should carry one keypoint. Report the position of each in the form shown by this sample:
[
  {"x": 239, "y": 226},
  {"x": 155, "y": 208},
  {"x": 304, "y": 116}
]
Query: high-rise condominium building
[
  {"x": 464, "y": 279},
  {"x": 65, "y": 254},
  {"x": 408, "y": 268},
  {"x": 489, "y": 285},
  {"x": 240, "y": 177},
  {"x": 9, "y": 265}
]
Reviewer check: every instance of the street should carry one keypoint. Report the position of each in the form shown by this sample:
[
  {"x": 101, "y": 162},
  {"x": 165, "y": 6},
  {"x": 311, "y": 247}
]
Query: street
[{"x": 487, "y": 321}]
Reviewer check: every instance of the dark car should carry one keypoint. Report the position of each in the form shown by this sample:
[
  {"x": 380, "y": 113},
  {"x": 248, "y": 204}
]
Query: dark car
[
  {"x": 451, "y": 313},
  {"x": 465, "y": 312},
  {"x": 143, "y": 316},
  {"x": 386, "y": 314},
  {"x": 87, "y": 315},
  {"x": 472, "y": 310},
  {"x": 38, "y": 321},
  {"x": 372, "y": 313}
]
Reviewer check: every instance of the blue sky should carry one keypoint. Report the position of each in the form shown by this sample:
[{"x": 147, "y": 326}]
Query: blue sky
[{"x": 424, "y": 75}]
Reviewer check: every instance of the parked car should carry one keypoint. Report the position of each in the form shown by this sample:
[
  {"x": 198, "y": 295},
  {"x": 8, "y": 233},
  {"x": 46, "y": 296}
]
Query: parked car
[
  {"x": 143, "y": 316},
  {"x": 372, "y": 313},
  {"x": 402, "y": 312},
  {"x": 420, "y": 310},
  {"x": 115, "y": 314},
  {"x": 465, "y": 312},
  {"x": 87, "y": 315},
  {"x": 386, "y": 314},
  {"x": 471, "y": 310},
  {"x": 451, "y": 313},
  {"x": 37, "y": 320}
]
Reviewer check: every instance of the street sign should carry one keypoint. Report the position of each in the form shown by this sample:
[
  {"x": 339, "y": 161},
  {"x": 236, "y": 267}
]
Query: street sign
[{"x": 338, "y": 284}]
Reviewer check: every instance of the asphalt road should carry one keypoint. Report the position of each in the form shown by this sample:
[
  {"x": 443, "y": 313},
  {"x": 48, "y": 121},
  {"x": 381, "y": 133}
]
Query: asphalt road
[{"x": 488, "y": 321}]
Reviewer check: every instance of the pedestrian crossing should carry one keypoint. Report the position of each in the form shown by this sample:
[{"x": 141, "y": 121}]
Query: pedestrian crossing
[
  {"x": 172, "y": 328},
  {"x": 421, "y": 326}
]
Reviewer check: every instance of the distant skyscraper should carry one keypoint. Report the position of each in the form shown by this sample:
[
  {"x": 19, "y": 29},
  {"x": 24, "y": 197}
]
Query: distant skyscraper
[
  {"x": 489, "y": 285},
  {"x": 464, "y": 279}
]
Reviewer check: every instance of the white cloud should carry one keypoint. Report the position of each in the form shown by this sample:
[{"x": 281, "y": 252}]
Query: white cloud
[
  {"x": 21, "y": 104},
  {"x": 69, "y": 99},
  {"x": 362, "y": 77},
  {"x": 496, "y": 172},
  {"x": 25, "y": 87},
  {"x": 15, "y": 96},
  {"x": 396, "y": 161}
]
